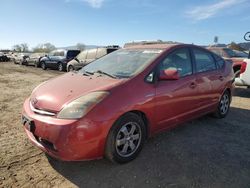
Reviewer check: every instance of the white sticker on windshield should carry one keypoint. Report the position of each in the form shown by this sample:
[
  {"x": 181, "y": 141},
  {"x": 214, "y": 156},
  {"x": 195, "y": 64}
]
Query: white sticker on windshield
[{"x": 152, "y": 51}]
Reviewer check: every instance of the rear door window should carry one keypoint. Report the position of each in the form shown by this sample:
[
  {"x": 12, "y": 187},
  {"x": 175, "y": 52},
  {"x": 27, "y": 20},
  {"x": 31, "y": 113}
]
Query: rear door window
[{"x": 204, "y": 60}]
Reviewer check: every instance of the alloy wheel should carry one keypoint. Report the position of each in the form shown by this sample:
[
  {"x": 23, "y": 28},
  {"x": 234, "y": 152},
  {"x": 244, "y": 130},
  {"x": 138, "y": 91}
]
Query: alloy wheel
[
  {"x": 224, "y": 104},
  {"x": 60, "y": 67},
  {"x": 128, "y": 139}
]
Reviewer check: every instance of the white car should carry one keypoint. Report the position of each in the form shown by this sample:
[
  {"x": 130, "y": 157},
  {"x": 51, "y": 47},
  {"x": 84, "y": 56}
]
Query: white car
[{"x": 244, "y": 78}]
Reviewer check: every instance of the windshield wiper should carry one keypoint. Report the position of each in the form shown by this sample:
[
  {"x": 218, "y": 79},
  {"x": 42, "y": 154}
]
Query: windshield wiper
[
  {"x": 86, "y": 73},
  {"x": 107, "y": 74}
]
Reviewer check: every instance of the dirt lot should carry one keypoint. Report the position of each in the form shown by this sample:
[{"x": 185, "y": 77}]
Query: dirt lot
[{"x": 203, "y": 153}]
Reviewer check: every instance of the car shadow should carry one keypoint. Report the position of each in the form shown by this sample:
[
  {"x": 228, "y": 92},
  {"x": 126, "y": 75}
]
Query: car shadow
[
  {"x": 202, "y": 153},
  {"x": 242, "y": 92}
]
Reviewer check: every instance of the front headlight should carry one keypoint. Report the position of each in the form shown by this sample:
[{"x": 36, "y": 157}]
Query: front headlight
[{"x": 81, "y": 106}]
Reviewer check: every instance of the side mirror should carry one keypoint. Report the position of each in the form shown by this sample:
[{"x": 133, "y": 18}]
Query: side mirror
[{"x": 169, "y": 74}]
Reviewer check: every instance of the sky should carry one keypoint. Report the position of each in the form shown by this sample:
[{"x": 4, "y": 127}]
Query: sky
[{"x": 110, "y": 22}]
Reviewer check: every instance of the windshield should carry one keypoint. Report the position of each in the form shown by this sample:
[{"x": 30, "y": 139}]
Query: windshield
[{"x": 123, "y": 63}]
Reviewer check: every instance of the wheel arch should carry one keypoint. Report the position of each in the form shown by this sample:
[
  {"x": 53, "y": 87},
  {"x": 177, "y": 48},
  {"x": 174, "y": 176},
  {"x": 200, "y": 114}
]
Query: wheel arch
[{"x": 144, "y": 118}]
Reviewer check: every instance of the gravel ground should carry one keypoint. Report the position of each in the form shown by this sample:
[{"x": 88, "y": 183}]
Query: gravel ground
[{"x": 202, "y": 153}]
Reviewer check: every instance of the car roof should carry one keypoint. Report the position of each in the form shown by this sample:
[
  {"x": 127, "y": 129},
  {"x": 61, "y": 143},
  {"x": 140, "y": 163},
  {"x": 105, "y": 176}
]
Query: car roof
[
  {"x": 163, "y": 46},
  {"x": 216, "y": 48}
]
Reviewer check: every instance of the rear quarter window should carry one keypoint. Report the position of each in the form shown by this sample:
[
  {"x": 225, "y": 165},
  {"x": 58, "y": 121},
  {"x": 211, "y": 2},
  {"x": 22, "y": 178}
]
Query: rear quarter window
[{"x": 220, "y": 62}]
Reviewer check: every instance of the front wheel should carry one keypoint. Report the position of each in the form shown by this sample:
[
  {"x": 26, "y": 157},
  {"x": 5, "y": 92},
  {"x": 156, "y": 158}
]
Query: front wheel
[
  {"x": 43, "y": 65},
  {"x": 125, "y": 139},
  {"x": 224, "y": 105},
  {"x": 60, "y": 67},
  {"x": 71, "y": 68}
]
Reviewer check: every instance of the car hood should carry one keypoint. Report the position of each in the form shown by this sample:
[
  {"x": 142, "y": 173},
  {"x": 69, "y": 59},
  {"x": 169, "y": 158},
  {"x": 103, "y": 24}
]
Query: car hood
[{"x": 54, "y": 94}]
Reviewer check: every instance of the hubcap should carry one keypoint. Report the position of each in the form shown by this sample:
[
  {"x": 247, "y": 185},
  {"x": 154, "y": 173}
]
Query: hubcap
[
  {"x": 224, "y": 104},
  {"x": 128, "y": 139},
  {"x": 60, "y": 67}
]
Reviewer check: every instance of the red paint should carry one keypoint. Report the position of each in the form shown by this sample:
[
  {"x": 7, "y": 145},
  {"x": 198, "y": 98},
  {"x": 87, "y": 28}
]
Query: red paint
[{"x": 164, "y": 103}]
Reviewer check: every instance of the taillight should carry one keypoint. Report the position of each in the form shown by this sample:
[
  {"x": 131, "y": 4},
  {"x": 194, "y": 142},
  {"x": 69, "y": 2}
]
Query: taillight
[{"x": 243, "y": 67}]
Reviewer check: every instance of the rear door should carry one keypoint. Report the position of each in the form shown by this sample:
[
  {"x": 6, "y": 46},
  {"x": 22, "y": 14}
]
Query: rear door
[
  {"x": 176, "y": 99},
  {"x": 208, "y": 78}
]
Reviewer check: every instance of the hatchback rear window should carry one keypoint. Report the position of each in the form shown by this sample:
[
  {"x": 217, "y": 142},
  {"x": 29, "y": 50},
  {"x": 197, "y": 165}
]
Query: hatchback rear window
[{"x": 72, "y": 53}]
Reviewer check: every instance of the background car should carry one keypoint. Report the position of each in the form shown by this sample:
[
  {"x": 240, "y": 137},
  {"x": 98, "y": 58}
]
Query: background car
[
  {"x": 236, "y": 57},
  {"x": 33, "y": 59},
  {"x": 3, "y": 57},
  {"x": 87, "y": 56},
  {"x": 113, "y": 104},
  {"x": 19, "y": 58},
  {"x": 58, "y": 59},
  {"x": 244, "y": 76}
]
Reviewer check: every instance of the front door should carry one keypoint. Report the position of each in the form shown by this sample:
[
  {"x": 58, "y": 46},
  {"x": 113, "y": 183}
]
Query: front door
[{"x": 176, "y": 99}]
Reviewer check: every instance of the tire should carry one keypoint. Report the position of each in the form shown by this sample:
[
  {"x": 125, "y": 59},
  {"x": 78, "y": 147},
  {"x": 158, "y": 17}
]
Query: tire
[
  {"x": 70, "y": 68},
  {"x": 127, "y": 132},
  {"x": 60, "y": 67},
  {"x": 223, "y": 106},
  {"x": 43, "y": 65}
]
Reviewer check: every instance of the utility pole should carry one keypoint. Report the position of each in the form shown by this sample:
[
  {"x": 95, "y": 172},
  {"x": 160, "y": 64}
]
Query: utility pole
[{"x": 216, "y": 39}]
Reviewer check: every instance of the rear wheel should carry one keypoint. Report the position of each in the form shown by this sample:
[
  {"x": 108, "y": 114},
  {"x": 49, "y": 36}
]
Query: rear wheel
[
  {"x": 224, "y": 105},
  {"x": 43, "y": 65},
  {"x": 125, "y": 139}
]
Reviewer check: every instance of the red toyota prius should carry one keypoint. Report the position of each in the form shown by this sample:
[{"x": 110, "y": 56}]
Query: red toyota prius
[{"x": 111, "y": 106}]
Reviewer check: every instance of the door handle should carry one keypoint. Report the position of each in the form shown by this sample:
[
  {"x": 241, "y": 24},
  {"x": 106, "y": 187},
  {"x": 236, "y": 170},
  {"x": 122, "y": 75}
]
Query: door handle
[
  {"x": 221, "y": 78},
  {"x": 192, "y": 85}
]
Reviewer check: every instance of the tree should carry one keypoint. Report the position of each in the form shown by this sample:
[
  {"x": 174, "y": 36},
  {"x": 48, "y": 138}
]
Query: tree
[
  {"x": 216, "y": 39},
  {"x": 44, "y": 48},
  {"x": 17, "y": 48},
  {"x": 235, "y": 46},
  {"x": 80, "y": 46},
  {"x": 21, "y": 47}
]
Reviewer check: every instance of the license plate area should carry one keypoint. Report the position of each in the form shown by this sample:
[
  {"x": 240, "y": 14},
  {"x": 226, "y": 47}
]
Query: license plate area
[{"x": 28, "y": 123}]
